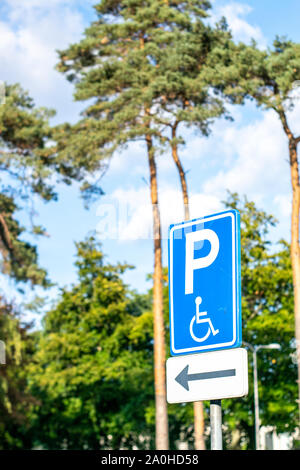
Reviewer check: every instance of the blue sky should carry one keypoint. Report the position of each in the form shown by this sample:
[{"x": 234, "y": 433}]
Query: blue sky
[{"x": 32, "y": 30}]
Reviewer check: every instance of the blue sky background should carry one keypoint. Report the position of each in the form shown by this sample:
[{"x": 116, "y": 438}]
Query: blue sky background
[{"x": 248, "y": 156}]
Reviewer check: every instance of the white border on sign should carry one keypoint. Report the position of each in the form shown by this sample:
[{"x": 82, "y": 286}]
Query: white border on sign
[
  {"x": 217, "y": 388},
  {"x": 188, "y": 224}
]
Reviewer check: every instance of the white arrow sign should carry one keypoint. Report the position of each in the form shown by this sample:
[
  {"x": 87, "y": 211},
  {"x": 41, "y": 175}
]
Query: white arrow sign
[{"x": 207, "y": 376}]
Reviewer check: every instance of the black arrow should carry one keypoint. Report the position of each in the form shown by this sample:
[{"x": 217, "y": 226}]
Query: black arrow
[{"x": 184, "y": 378}]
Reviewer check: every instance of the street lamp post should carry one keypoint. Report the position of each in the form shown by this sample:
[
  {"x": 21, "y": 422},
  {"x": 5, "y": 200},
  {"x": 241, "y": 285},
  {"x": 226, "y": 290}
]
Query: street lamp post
[{"x": 254, "y": 350}]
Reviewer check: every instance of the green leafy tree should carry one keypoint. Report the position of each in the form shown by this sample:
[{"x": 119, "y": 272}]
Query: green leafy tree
[
  {"x": 15, "y": 399},
  {"x": 25, "y": 171},
  {"x": 92, "y": 373}
]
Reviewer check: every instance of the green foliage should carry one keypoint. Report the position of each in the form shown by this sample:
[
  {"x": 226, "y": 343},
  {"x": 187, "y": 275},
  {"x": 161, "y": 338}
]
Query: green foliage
[
  {"x": 93, "y": 371},
  {"x": 15, "y": 401},
  {"x": 24, "y": 134},
  {"x": 268, "y": 76},
  {"x": 267, "y": 312},
  {"x": 139, "y": 66},
  {"x": 181, "y": 88},
  {"x": 267, "y": 315},
  {"x": 25, "y": 170},
  {"x": 143, "y": 69},
  {"x": 19, "y": 257}
]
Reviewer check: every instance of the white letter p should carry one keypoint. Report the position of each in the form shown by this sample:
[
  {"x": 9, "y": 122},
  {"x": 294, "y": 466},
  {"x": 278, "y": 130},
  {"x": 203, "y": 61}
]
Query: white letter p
[{"x": 191, "y": 264}]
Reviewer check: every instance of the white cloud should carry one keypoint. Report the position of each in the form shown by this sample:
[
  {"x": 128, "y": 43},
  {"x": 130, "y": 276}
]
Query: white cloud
[
  {"x": 133, "y": 158},
  {"x": 250, "y": 158},
  {"x": 33, "y": 30},
  {"x": 284, "y": 205},
  {"x": 30, "y": 35},
  {"x": 260, "y": 167},
  {"x": 204, "y": 204},
  {"x": 19, "y": 9},
  {"x": 293, "y": 116},
  {"x": 127, "y": 214},
  {"x": 235, "y": 14}
]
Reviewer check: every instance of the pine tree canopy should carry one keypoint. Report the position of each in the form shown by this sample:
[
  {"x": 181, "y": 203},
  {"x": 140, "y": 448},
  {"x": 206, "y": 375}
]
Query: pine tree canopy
[
  {"x": 140, "y": 68},
  {"x": 24, "y": 135},
  {"x": 26, "y": 168},
  {"x": 268, "y": 76}
]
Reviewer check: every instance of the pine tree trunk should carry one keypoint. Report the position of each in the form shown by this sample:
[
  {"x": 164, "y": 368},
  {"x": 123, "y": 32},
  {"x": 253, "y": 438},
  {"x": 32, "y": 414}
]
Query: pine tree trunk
[
  {"x": 295, "y": 249},
  {"x": 161, "y": 414},
  {"x": 199, "y": 426},
  {"x": 198, "y": 405},
  {"x": 295, "y": 242},
  {"x": 182, "y": 182}
]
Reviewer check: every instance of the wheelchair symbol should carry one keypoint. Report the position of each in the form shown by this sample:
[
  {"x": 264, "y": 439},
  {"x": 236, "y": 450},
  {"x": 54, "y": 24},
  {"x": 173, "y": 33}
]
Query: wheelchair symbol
[{"x": 199, "y": 320}]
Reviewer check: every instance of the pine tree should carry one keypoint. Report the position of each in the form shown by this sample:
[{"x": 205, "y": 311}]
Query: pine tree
[
  {"x": 187, "y": 99},
  {"x": 26, "y": 170},
  {"x": 185, "y": 96},
  {"x": 269, "y": 77},
  {"x": 117, "y": 64}
]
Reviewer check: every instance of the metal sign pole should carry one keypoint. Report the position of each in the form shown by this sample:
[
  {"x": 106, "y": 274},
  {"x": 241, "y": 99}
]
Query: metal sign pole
[
  {"x": 208, "y": 363},
  {"x": 216, "y": 425}
]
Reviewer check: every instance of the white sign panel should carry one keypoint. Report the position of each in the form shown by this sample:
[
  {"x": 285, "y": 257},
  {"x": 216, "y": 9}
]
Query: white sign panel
[{"x": 207, "y": 376}]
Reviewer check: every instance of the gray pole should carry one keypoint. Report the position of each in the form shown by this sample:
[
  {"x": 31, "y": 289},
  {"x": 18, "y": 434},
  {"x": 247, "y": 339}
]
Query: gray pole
[
  {"x": 256, "y": 403},
  {"x": 254, "y": 349},
  {"x": 2, "y": 352},
  {"x": 216, "y": 425}
]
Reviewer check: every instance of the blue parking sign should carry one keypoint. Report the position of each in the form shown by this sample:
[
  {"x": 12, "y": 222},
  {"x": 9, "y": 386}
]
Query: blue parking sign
[{"x": 204, "y": 284}]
